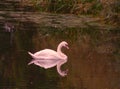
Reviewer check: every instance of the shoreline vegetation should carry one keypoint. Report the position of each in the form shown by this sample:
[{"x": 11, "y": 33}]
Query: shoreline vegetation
[{"x": 108, "y": 10}]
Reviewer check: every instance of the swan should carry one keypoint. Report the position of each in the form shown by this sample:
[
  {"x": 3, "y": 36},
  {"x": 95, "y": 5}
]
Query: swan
[{"x": 48, "y": 58}]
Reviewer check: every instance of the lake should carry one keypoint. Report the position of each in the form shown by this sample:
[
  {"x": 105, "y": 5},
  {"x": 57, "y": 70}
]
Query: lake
[{"x": 93, "y": 57}]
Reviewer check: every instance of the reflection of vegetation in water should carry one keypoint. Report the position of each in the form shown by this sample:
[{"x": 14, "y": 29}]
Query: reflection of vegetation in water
[
  {"x": 21, "y": 37},
  {"x": 12, "y": 71},
  {"x": 71, "y": 34},
  {"x": 86, "y": 65}
]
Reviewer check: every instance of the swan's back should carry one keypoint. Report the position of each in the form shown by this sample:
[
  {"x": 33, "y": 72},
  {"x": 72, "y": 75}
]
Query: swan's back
[{"x": 46, "y": 53}]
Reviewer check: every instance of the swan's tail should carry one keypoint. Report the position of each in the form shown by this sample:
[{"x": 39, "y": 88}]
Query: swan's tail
[
  {"x": 32, "y": 57},
  {"x": 30, "y": 54},
  {"x": 31, "y": 62}
]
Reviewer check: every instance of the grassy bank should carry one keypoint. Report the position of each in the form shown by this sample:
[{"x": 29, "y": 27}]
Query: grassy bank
[{"x": 109, "y": 10}]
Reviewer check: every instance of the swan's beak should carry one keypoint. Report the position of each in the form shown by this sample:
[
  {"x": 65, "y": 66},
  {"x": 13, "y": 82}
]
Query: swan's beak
[{"x": 67, "y": 47}]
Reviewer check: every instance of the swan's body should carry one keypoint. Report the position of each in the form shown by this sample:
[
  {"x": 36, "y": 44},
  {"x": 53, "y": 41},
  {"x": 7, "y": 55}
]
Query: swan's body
[{"x": 48, "y": 58}]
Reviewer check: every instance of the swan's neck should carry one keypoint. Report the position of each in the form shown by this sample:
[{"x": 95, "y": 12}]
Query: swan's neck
[{"x": 60, "y": 52}]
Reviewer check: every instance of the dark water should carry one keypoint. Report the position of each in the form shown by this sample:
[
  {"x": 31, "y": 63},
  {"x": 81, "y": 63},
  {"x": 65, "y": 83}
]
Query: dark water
[{"x": 93, "y": 58}]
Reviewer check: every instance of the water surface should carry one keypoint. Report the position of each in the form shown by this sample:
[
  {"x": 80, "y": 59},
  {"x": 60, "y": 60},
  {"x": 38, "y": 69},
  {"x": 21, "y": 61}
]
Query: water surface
[{"x": 93, "y": 58}]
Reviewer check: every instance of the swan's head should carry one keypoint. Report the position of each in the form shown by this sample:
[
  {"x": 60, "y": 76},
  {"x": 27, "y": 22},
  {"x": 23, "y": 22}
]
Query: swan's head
[{"x": 64, "y": 44}]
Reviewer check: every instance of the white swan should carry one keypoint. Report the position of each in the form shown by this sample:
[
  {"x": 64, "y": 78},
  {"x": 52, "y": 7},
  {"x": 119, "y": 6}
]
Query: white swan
[{"x": 48, "y": 58}]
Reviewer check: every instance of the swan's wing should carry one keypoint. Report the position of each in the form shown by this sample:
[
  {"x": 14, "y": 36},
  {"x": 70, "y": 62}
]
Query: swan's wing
[{"x": 47, "y": 53}]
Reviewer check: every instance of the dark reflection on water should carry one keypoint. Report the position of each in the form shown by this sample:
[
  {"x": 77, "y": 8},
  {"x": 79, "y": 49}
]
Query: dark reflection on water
[{"x": 93, "y": 61}]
